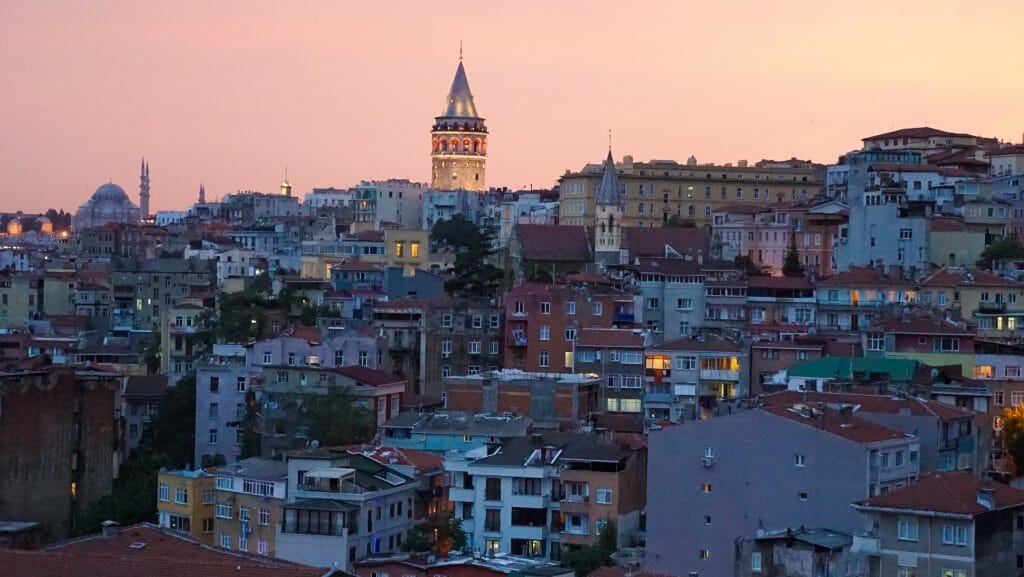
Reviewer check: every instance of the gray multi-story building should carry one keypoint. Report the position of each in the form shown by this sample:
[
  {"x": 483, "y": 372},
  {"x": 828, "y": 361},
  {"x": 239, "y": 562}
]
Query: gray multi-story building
[
  {"x": 671, "y": 296},
  {"x": 222, "y": 382},
  {"x": 689, "y": 376},
  {"x": 140, "y": 399},
  {"x": 763, "y": 468},
  {"x": 342, "y": 507},
  {"x": 617, "y": 356},
  {"x": 144, "y": 289}
]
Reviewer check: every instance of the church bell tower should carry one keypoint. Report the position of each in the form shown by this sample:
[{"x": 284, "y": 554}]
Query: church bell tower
[{"x": 459, "y": 141}]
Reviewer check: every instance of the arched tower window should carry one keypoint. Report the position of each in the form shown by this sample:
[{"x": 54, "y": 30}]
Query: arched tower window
[
  {"x": 454, "y": 144},
  {"x": 466, "y": 146},
  {"x": 434, "y": 145},
  {"x": 611, "y": 222},
  {"x": 478, "y": 146}
]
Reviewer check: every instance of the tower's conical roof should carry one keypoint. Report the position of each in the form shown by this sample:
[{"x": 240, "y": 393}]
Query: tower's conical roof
[
  {"x": 460, "y": 100},
  {"x": 608, "y": 189}
]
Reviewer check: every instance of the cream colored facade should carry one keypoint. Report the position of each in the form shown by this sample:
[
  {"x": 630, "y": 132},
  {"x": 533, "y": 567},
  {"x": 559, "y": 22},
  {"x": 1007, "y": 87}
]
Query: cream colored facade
[{"x": 659, "y": 190}]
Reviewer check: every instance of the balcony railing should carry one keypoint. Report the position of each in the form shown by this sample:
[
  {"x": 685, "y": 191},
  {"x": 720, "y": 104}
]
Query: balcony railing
[
  {"x": 719, "y": 375},
  {"x": 866, "y": 544},
  {"x": 992, "y": 307}
]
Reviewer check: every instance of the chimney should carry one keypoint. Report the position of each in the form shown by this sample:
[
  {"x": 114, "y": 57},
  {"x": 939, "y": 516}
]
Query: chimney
[
  {"x": 845, "y": 415},
  {"x": 700, "y": 256},
  {"x": 110, "y": 529},
  {"x": 987, "y": 499},
  {"x": 536, "y": 438}
]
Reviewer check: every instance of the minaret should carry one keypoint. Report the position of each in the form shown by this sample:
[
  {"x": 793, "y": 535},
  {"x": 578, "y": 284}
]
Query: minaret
[
  {"x": 286, "y": 187},
  {"x": 202, "y": 194},
  {"x": 610, "y": 209},
  {"x": 459, "y": 140},
  {"x": 144, "y": 191}
]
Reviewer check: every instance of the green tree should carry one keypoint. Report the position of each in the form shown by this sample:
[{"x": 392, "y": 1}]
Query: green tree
[
  {"x": 150, "y": 345},
  {"x": 791, "y": 263},
  {"x": 474, "y": 275},
  {"x": 749, "y": 267},
  {"x": 450, "y": 536},
  {"x": 250, "y": 426},
  {"x": 1013, "y": 435},
  {"x": 679, "y": 221},
  {"x": 334, "y": 418},
  {"x": 586, "y": 559},
  {"x": 1006, "y": 247}
]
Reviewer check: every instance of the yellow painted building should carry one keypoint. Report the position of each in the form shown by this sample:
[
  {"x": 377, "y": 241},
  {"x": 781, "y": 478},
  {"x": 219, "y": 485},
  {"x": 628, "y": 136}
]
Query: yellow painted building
[
  {"x": 185, "y": 502},
  {"x": 992, "y": 303}
]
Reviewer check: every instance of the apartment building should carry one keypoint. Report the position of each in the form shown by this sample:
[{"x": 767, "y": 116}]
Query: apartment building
[
  {"x": 460, "y": 337},
  {"x": 949, "y": 524},
  {"x": 617, "y": 356},
  {"x": 542, "y": 321},
  {"x": 143, "y": 289},
  {"x": 140, "y": 399},
  {"x": 689, "y": 376},
  {"x": 993, "y": 303},
  {"x": 223, "y": 381},
  {"x": 544, "y": 493},
  {"x": 186, "y": 501},
  {"x": 249, "y": 496},
  {"x": 655, "y": 192},
  {"x": 671, "y": 296},
  {"x": 780, "y": 307},
  {"x": 769, "y": 358},
  {"x": 852, "y": 299},
  {"x": 398, "y": 323},
  {"x": 179, "y": 339},
  {"x": 441, "y": 431},
  {"x": 342, "y": 507},
  {"x": 727, "y": 484}
]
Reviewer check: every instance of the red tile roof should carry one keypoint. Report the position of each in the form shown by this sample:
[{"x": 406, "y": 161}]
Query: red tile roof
[
  {"x": 366, "y": 235},
  {"x": 308, "y": 334},
  {"x": 552, "y": 242},
  {"x": 947, "y": 224},
  {"x": 917, "y": 132},
  {"x": 145, "y": 386},
  {"x": 145, "y": 550},
  {"x": 420, "y": 461},
  {"x": 922, "y": 326},
  {"x": 669, "y": 266},
  {"x": 953, "y": 492},
  {"x": 368, "y": 376},
  {"x": 639, "y": 241},
  {"x": 708, "y": 344},
  {"x": 829, "y": 420},
  {"x": 356, "y": 265},
  {"x": 1014, "y": 150},
  {"x": 864, "y": 277},
  {"x": 610, "y": 338},
  {"x": 879, "y": 404},
  {"x": 947, "y": 277}
]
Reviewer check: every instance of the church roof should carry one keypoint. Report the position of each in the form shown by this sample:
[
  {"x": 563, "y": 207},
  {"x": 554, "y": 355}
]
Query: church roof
[
  {"x": 608, "y": 191},
  {"x": 459, "y": 103}
]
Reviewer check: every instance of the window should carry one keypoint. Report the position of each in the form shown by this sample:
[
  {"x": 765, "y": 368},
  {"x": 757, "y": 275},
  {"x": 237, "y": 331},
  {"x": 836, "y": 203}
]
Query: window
[
  {"x": 802, "y": 495},
  {"x": 474, "y": 347},
  {"x": 493, "y": 349},
  {"x": 545, "y": 332},
  {"x": 799, "y": 459},
  {"x": 545, "y": 358},
  {"x": 999, "y": 397},
  {"x": 755, "y": 561},
  {"x": 244, "y": 514},
  {"x": 520, "y": 308},
  {"x": 876, "y": 342},
  {"x": 214, "y": 411},
  {"x": 261, "y": 546},
  {"x": 214, "y": 384},
  {"x": 213, "y": 436},
  {"x": 243, "y": 541},
  {"x": 446, "y": 321},
  {"x": 653, "y": 304},
  {"x": 954, "y": 535},
  {"x": 267, "y": 358},
  {"x": 570, "y": 308},
  {"x": 226, "y": 483},
  {"x": 1011, "y": 371},
  {"x": 947, "y": 344},
  {"x": 478, "y": 321},
  {"x": 181, "y": 496},
  {"x": 446, "y": 371},
  {"x": 264, "y": 517},
  {"x": 684, "y": 304},
  {"x": 446, "y": 348},
  {"x": 364, "y": 359},
  {"x": 225, "y": 540},
  {"x": 604, "y": 495},
  {"x": 906, "y": 234},
  {"x": 598, "y": 309},
  {"x": 907, "y": 530},
  {"x": 223, "y": 511},
  {"x": 705, "y": 554},
  {"x": 495, "y": 322},
  {"x": 686, "y": 363},
  {"x": 545, "y": 308},
  {"x": 240, "y": 385},
  {"x": 165, "y": 492},
  {"x": 705, "y": 487}
]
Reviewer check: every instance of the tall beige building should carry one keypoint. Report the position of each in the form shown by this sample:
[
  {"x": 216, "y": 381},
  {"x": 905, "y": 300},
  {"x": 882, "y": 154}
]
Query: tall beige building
[
  {"x": 656, "y": 191},
  {"x": 459, "y": 141}
]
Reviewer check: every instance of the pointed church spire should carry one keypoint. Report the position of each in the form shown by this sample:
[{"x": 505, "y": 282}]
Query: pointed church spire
[
  {"x": 460, "y": 100},
  {"x": 202, "y": 193},
  {"x": 608, "y": 191}
]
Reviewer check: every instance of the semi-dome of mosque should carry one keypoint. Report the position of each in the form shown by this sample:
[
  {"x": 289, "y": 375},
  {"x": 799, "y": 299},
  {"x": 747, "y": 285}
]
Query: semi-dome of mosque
[{"x": 108, "y": 204}]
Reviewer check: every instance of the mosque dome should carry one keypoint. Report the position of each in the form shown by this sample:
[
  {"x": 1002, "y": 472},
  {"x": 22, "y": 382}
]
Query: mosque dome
[{"x": 110, "y": 191}]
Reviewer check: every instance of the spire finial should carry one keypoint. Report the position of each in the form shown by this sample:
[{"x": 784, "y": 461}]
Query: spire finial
[
  {"x": 609, "y": 140},
  {"x": 460, "y": 49}
]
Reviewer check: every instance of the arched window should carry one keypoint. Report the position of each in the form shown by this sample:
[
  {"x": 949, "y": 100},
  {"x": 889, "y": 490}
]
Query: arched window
[
  {"x": 466, "y": 146},
  {"x": 478, "y": 146},
  {"x": 434, "y": 145},
  {"x": 454, "y": 145}
]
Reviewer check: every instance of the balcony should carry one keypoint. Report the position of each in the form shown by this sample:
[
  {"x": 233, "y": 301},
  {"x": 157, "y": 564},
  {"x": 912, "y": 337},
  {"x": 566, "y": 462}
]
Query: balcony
[
  {"x": 999, "y": 307},
  {"x": 658, "y": 398},
  {"x": 517, "y": 339},
  {"x": 530, "y": 501},
  {"x": 866, "y": 544},
  {"x": 461, "y": 495},
  {"x": 536, "y": 533},
  {"x": 719, "y": 375}
]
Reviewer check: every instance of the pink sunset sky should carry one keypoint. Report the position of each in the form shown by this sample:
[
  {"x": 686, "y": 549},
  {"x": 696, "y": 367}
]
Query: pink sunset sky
[{"x": 228, "y": 93}]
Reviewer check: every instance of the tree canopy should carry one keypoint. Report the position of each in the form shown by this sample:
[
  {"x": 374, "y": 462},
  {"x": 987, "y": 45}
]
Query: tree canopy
[
  {"x": 590, "y": 557},
  {"x": 474, "y": 274},
  {"x": 1006, "y": 247},
  {"x": 791, "y": 264},
  {"x": 1013, "y": 434},
  {"x": 334, "y": 418}
]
